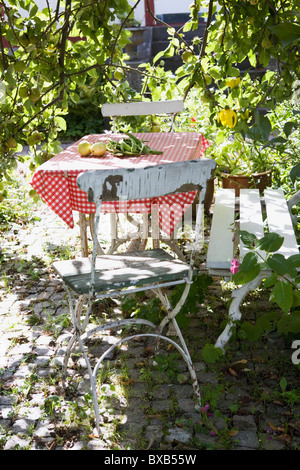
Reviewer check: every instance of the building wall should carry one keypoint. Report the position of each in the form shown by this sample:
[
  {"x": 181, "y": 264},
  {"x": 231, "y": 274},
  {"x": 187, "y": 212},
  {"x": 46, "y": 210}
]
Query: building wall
[
  {"x": 161, "y": 7},
  {"x": 171, "y": 6}
]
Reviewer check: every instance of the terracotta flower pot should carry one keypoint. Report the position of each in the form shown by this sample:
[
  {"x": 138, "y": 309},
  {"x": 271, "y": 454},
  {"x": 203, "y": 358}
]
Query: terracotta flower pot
[{"x": 257, "y": 180}]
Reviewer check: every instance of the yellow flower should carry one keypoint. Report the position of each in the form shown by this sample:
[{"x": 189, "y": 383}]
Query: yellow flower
[
  {"x": 50, "y": 50},
  {"x": 233, "y": 82},
  {"x": 227, "y": 117}
]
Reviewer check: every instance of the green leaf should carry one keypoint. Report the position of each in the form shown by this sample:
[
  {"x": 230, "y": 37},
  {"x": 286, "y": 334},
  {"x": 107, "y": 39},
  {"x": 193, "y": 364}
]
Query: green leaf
[
  {"x": 248, "y": 238},
  {"x": 182, "y": 319},
  {"x": 244, "y": 277},
  {"x": 248, "y": 269},
  {"x": 250, "y": 332},
  {"x": 252, "y": 58},
  {"x": 281, "y": 265},
  {"x": 264, "y": 57},
  {"x": 264, "y": 323},
  {"x": 188, "y": 26},
  {"x": 61, "y": 122},
  {"x": 158, "y": 56},
  {"x": 182, "y": 378},
  {"x": 296, "y": 299},
  {"x": 270, "y": 242},
  {"x": 289, "y": 323},
  {"x": 261, "y": 129},
  {"x": 289, "y": 127},
  {"x": 249, "y": 261},
  {"x": 211, "y": 354},
  {"x": 295, "y": 172},
  {"x": 34, "y": 11},
  {"x": 282, "y": 294},
  {"x": 169, "y": 52},
  {"x": 287, "y": 32},
  {"x": 270, "y": 281},
  {"x": 283, "y": 384}
]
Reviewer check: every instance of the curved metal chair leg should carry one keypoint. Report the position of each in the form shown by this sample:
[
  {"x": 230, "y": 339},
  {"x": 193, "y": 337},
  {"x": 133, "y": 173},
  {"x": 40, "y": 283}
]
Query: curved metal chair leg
[
  {"x": 80, "y": 335},
  {"x": 66, "y": 358},
  {"x": 123, "y": 340}
]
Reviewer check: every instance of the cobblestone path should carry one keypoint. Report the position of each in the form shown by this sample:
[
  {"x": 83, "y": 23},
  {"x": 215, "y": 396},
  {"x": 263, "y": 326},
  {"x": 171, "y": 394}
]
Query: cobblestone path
[{"x": 142, "y": 406}]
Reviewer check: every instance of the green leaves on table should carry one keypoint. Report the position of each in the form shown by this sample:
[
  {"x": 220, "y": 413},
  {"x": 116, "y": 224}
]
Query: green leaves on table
[{"x": 130, "y": 145}]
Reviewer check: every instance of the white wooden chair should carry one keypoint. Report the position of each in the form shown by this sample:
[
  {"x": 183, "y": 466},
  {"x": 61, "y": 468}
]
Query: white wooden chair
[
  {"x": 120, "y": 274},
  {"x": 141, "y": 108}
]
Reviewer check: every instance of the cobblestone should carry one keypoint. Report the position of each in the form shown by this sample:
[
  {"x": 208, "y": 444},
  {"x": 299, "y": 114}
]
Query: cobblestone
[{"x": 36, "y": 412}]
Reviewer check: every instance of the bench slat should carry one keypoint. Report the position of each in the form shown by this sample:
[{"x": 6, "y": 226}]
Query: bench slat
[
  {"x": 251, "y": 218},
  {"x": 279, "y": 220},
  {"x": 220, "y": 250}
]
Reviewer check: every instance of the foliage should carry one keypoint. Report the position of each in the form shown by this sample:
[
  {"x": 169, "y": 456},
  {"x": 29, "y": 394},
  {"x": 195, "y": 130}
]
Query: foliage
[
  {"x": 195, "y": 297},
  {"x": 151, "y": 309},
  {"x": 47, "y": 59},
  {"x": 168, "y": 364},
  {"x": 240, "y": 156},
  {"x": 211, "y": 354},
  {"x": 247, "y": 61},
  {"x": 135, "y": 307},
  {"x": 84, "y": 116},
  {"x": 239, "y": 66},
  {"x": 282, "y": 278}
]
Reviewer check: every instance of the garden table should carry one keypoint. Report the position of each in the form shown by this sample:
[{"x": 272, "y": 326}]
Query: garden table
[{"x": 55, "y": 180}]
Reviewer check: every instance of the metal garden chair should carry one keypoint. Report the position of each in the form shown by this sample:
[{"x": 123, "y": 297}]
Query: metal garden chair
[
  {"x": 166, "y": 108},
  {"x": 114, "y": 275}
]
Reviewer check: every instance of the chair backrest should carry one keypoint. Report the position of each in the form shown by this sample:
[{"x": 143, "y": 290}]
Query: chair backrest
[
  {"x": 147, "y": 182},
  {"x": 141, "y": 108}
]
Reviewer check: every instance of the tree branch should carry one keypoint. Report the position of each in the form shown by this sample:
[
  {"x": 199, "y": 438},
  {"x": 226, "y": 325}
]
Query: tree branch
[
  {"x": 203, "y": 46},
  {"x": 121, "y": 27},
  {"x": 4, "y": 60},
  {"x": 64, "y": 37}
]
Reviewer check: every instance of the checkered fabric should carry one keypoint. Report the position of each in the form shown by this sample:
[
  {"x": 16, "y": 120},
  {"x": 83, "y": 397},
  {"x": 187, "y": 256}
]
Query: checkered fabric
[{"x": 55, "y": 180}]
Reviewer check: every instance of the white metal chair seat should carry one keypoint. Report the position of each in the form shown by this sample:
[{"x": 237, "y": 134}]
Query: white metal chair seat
[
  {"x": 139, "y": 268},
  {"x": 113, "y": 275}
]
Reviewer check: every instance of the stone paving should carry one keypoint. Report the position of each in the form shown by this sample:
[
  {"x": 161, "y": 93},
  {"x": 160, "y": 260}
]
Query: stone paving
[{"x": 142, "y": 408}]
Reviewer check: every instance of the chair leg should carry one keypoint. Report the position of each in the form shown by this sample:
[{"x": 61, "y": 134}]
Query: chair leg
[
  {"x": 75, "y": 314},
  {"x": 79, "y": 331},
  {"x": 234, "y": 309},
  {"x": 93, "y": 373},
  {"x": 186, "y": 358},
  {"x": 80, "y": 336},
  {"x": 183, "y": 349}
]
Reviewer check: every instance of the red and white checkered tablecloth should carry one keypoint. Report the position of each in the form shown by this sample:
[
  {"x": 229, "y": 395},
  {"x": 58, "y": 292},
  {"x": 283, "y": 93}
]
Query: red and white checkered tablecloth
[{"x": 55, "y": 180}]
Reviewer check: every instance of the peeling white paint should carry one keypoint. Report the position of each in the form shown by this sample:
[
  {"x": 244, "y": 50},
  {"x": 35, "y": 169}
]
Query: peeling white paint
[{"x": 145, "y": 182}]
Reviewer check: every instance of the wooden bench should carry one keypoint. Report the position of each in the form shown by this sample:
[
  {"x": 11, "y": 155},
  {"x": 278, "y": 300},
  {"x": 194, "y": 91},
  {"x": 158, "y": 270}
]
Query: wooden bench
[{"x": 255, "y": 214}]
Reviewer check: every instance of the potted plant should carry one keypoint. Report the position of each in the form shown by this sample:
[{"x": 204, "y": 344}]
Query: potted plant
[
  {"x": 242, "y": 162},
  {"x": 245, "y": 158}
]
